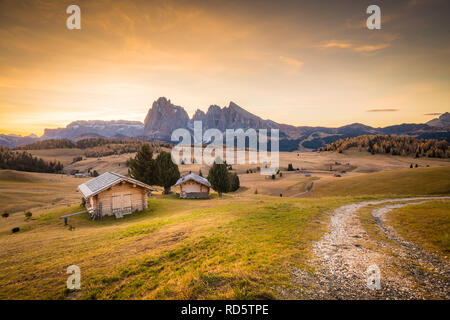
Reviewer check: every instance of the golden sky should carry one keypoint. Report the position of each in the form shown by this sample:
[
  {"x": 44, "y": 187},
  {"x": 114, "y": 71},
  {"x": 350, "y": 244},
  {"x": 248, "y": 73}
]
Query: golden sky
[{"x": 297, "y": 62}]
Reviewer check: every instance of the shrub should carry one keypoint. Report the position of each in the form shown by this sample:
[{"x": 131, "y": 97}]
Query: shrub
[
  {"x": 28, "y": 214},
  {"x": 290, "y": 167},
  {"x": 235, "y": 183},
  {"x": 5, "y": 214}
]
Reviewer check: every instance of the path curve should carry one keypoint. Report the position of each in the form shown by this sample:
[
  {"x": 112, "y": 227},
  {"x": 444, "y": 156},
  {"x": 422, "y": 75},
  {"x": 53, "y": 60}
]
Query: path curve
[{"x": 344, "y": 254}]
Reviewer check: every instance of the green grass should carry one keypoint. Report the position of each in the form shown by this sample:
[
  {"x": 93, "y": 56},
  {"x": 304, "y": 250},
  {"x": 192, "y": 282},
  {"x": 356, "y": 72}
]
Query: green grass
[
  {"x": 238, "y": 249},
  {"x": 427, "y": 224},
  {"x": 416, "y": 181}
]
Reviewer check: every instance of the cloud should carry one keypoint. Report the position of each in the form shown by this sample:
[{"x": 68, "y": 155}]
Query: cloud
[
  {"x": 294, "y": 63},
  {"x": 356, "y": 48},
  {"x": 382, "y": 110},
  {"x": 370, "y": 48},
  {"x": 432, "y": 114},
  {"x": 336, "y": 44}
]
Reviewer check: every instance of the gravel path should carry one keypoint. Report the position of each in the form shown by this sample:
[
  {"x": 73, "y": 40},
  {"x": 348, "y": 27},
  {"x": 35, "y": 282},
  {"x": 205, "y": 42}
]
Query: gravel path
[{"x": 344, "y": 254}]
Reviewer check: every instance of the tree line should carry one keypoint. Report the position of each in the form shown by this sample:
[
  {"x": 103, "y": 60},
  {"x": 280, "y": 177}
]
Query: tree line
[
  {"x": 84, "y": 143},
  {"x": 24, "y": 161},
  {"x": 395, "y": 145},
  {"x": 163, "y": 172},
  {"x": 95, "y": 147}
]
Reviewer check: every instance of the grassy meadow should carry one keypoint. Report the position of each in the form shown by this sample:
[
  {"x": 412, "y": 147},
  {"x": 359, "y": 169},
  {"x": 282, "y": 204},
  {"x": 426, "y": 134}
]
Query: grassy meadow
[{"x": 243, "y": 246}]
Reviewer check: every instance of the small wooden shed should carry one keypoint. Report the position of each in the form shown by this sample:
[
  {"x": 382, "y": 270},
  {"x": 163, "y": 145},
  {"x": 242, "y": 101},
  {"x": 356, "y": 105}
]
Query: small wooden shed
[
  {"x": 193, "y": 186},
  {"x": 114, "y": 194}
]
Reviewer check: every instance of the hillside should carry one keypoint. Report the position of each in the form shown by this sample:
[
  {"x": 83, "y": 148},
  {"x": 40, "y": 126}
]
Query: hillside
[
  {"x": 415, "y": 181},
  {"x": 395, "y": 145}
]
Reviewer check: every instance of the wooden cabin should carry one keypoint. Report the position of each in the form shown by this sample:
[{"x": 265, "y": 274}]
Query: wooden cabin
[
  {"x": 193, "y": 186},
  {"x": 113, "y": 194}
]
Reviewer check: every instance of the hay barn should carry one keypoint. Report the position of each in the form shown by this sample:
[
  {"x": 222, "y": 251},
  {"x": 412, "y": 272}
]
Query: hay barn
[
  {"x": 114, "y": 194},
  {"x": 193, "y": 186}
]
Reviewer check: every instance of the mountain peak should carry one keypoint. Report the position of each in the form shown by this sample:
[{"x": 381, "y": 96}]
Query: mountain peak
[{"x": 442, "y": 121}]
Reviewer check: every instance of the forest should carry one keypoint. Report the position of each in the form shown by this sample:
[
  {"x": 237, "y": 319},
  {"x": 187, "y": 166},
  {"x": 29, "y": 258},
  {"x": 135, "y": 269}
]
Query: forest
[
  {"x": 24, "y": 161},
  {"x": 395, "y": 145},
  {"x": 94, "y": 147}
]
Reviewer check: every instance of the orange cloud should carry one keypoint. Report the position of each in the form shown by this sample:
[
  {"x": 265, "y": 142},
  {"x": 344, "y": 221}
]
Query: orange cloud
[
  {"x": 370, "y": 48},
  {"x": 336, "y": 44},
  {"x": 296, "y": 64}
]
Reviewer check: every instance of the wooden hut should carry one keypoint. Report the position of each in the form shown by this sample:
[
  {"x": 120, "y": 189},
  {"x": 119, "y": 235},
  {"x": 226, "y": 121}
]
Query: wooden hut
[
  {"x": 193, "y": 186},
  {"x": 114, "y": 194}
]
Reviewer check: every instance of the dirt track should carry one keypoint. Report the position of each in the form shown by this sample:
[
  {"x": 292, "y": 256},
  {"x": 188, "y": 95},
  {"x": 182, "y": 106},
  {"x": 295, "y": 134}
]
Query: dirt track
[{"x": 343, "y": 255}]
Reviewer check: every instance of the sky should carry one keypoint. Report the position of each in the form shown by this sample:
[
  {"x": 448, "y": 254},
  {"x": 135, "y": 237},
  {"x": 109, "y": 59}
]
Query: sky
[{"x": 302, "y": 63}]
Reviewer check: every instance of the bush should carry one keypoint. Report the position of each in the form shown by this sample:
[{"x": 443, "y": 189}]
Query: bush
[
  {"x": 76, "y": 159},
  {"x": 28, "y": 214},
  {"x": 290, "y": 167},
  {"x": 235, "y": 183},
  {"x": 5, "y": 214},
  {"x": 256, "y": 191},
  {"x": 94, "y": 173}
]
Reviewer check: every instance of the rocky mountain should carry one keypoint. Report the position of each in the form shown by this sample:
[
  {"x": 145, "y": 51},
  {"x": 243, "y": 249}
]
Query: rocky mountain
[
  {"x": 96, "y": 128},
  {"x": 443, "y": 121},
  {"x": 164, "y": 117},
  {"x": 12, "y": 140}
]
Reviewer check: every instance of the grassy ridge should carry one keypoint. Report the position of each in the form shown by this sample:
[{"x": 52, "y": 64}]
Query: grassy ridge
[
  {"x": 427, "y": 224},
  {"x": 416, "y": 181}
]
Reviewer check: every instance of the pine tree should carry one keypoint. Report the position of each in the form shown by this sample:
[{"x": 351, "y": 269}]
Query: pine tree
[
  {"x": 142, "y": 167},
  {"x": 219, "y": 179},
  {"x": 166, "y": 171}
]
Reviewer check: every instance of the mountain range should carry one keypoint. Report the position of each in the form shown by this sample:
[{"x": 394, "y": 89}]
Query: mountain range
[{"x": 164, "y": 117}]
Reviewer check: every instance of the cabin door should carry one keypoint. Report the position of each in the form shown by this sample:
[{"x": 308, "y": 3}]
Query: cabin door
[
  {"x": 126, "y": 203},
  {"x": 116, "y": 204}
]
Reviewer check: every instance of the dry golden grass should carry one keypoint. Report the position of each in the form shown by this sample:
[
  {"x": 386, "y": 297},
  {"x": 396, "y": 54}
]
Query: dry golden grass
[
  {"x": 220, "y": 248},
  {"x": 415, "y": 181},
  {"x": 35, "y": 192},
  {"x": 426, "y": 224},
  {"x": 241, "y": 246}
]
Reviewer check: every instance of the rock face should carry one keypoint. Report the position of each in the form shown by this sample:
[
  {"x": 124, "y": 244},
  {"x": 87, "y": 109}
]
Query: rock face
[
  {"x": 442, "y": 121},
  {"x": 163, "y": 118},
  {"x": 96, "y": 128},
  {"x": 12, "y": 140}
]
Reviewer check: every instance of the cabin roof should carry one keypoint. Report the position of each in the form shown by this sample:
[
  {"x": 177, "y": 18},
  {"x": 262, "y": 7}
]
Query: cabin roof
[
  {"x": 105, "y": 181},
  {"x": 196, "y": 178}
]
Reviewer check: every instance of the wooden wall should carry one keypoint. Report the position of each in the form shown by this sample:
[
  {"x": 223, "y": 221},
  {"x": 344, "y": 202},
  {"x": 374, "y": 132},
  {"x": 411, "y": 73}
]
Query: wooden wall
[{"x": 124, "y": 196}]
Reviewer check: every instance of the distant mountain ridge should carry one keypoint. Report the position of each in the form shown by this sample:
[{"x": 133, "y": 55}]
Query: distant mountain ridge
[{"x": 164, "y": 117}]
